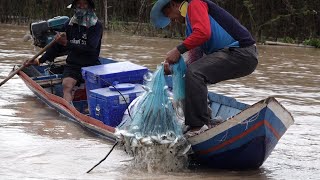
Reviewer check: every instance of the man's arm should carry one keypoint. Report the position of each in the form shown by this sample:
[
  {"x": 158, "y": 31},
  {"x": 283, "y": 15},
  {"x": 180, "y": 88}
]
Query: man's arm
[
  {"x": 193, "y": 55},
  {"x": 55, "y": 50},
  {"x": 200, "y": 24},
  {"x": 52, "y": 53}
]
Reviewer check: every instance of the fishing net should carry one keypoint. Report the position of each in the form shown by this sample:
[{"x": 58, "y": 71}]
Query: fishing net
[
  {"x": 178, "y": 71},
  {"x": 152, "y": 122},
  {"x": 178, "y": 82}
]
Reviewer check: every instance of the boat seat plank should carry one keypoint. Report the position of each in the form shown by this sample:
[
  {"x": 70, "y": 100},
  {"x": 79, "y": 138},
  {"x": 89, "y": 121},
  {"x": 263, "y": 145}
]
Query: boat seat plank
[
  {"x": 223, "y": 106},
  {"x": 215, "y": 109},
  {"x": 225, "y": 112},
  {"x": 227, "y": 101}
]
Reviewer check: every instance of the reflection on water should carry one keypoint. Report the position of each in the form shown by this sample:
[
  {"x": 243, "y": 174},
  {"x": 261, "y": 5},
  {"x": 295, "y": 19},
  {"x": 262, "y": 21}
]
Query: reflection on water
[{"x": 38, "y": 143}]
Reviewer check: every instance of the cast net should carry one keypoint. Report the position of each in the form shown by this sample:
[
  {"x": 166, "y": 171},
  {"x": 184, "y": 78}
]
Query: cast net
[{"x": 152, "y": 127}]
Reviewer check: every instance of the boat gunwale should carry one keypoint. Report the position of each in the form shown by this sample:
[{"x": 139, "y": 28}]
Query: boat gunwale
[
  {"x": 240, "y": 118},
  {"x": 59, "y": 103}
]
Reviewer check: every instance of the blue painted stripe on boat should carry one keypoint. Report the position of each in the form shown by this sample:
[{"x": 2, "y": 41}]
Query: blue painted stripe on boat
[
  {"x": 232, "y": 132},
  {"x": 275, "y": 122},
  {"x": 237, "y": 130},
  {"x": 260, "y": 131},
  {"x": 247, "y": 156},
  {"x": 270, "y": 141}
]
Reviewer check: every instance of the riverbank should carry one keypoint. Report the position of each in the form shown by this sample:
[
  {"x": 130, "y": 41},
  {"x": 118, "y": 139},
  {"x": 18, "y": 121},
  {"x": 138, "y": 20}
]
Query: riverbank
[
  {"x": 174, "y": 31},
  {"x": 275, "y": 43}
]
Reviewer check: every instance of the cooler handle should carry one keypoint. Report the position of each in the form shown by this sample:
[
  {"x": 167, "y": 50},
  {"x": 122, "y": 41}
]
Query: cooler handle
[
  {"x": 98, "y": 110},
  {"x": 92, "y": 79}
]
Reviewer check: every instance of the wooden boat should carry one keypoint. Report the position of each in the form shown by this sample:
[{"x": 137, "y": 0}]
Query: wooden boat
[
  {"x": 243, "y": 141},
  {"x": 246, "y": 138}
]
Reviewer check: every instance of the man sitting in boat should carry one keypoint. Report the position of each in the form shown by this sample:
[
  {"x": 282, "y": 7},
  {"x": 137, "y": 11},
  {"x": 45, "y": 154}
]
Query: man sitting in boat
[
  {"x": 229, "y": 49},
  {"x": 82, "y": 43}
]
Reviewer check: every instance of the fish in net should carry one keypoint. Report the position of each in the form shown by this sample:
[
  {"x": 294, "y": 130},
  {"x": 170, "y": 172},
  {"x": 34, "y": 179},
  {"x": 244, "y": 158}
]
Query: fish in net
[{"x": 151, "y": 129}]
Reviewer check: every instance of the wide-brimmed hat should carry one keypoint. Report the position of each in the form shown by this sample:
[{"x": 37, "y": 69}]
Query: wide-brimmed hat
[
  {"x": 73, "y": 4},
  {"x": 157, "y": 18}
]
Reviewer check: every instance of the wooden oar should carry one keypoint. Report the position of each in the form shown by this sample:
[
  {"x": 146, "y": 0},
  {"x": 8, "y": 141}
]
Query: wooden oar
[{"x": 30, "y": 60}]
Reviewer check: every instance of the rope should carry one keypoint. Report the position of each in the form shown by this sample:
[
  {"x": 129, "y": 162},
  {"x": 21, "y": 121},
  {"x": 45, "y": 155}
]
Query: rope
[
  {"x": 127, "y": 104},
  {"x": 115, "y": 144}
]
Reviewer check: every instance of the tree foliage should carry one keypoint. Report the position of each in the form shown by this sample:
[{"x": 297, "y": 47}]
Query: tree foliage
[{"x": 271, "y": 19}]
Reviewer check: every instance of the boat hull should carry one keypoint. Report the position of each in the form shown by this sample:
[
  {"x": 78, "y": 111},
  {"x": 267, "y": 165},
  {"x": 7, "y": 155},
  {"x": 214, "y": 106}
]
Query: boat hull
[{"x": 244, "y": 141}]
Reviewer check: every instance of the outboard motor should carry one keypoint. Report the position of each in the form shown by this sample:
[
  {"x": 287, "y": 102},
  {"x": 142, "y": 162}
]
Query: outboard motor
[{"x": 43, "y": 32}]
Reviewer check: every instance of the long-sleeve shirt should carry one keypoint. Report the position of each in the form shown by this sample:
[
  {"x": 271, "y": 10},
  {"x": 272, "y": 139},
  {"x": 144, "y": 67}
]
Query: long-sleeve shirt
[
  {"x": 83, "y": 46},
  {"x": 212, "y": 28}
]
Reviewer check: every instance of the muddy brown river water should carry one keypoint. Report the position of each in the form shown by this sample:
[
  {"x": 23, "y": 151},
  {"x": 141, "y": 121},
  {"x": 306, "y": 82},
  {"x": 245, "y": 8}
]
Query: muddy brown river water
[{"x": 38, "y": 143}]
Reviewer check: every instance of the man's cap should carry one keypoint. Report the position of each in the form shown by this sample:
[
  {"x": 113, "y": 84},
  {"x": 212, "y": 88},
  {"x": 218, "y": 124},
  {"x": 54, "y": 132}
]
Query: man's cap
[
  {"x": 157, "y": 18},
  {"x": 73, "y": 4}
]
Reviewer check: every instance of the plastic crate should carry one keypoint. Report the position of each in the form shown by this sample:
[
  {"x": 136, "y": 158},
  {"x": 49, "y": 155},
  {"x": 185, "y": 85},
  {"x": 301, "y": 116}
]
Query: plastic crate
[
  {"x": 104, "y": 75},
  {"x": 109, "y": 106}
]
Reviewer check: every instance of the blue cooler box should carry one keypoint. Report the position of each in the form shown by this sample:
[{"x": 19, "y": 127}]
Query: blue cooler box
[
  {"x": 108, "y": 106},
  {"x": 104, "y": 75}
]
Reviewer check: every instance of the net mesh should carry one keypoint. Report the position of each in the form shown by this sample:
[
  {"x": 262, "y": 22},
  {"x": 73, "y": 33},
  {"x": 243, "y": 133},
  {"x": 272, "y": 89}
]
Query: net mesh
[
  {"x": 178, "y": 79},
  {"x": 153, "y": 113},
  {"x": 154, "y": 123}
]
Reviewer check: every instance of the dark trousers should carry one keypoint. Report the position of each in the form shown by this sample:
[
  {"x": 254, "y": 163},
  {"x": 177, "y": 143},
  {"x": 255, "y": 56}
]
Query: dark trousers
[{"x": 228, "y": 63}]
